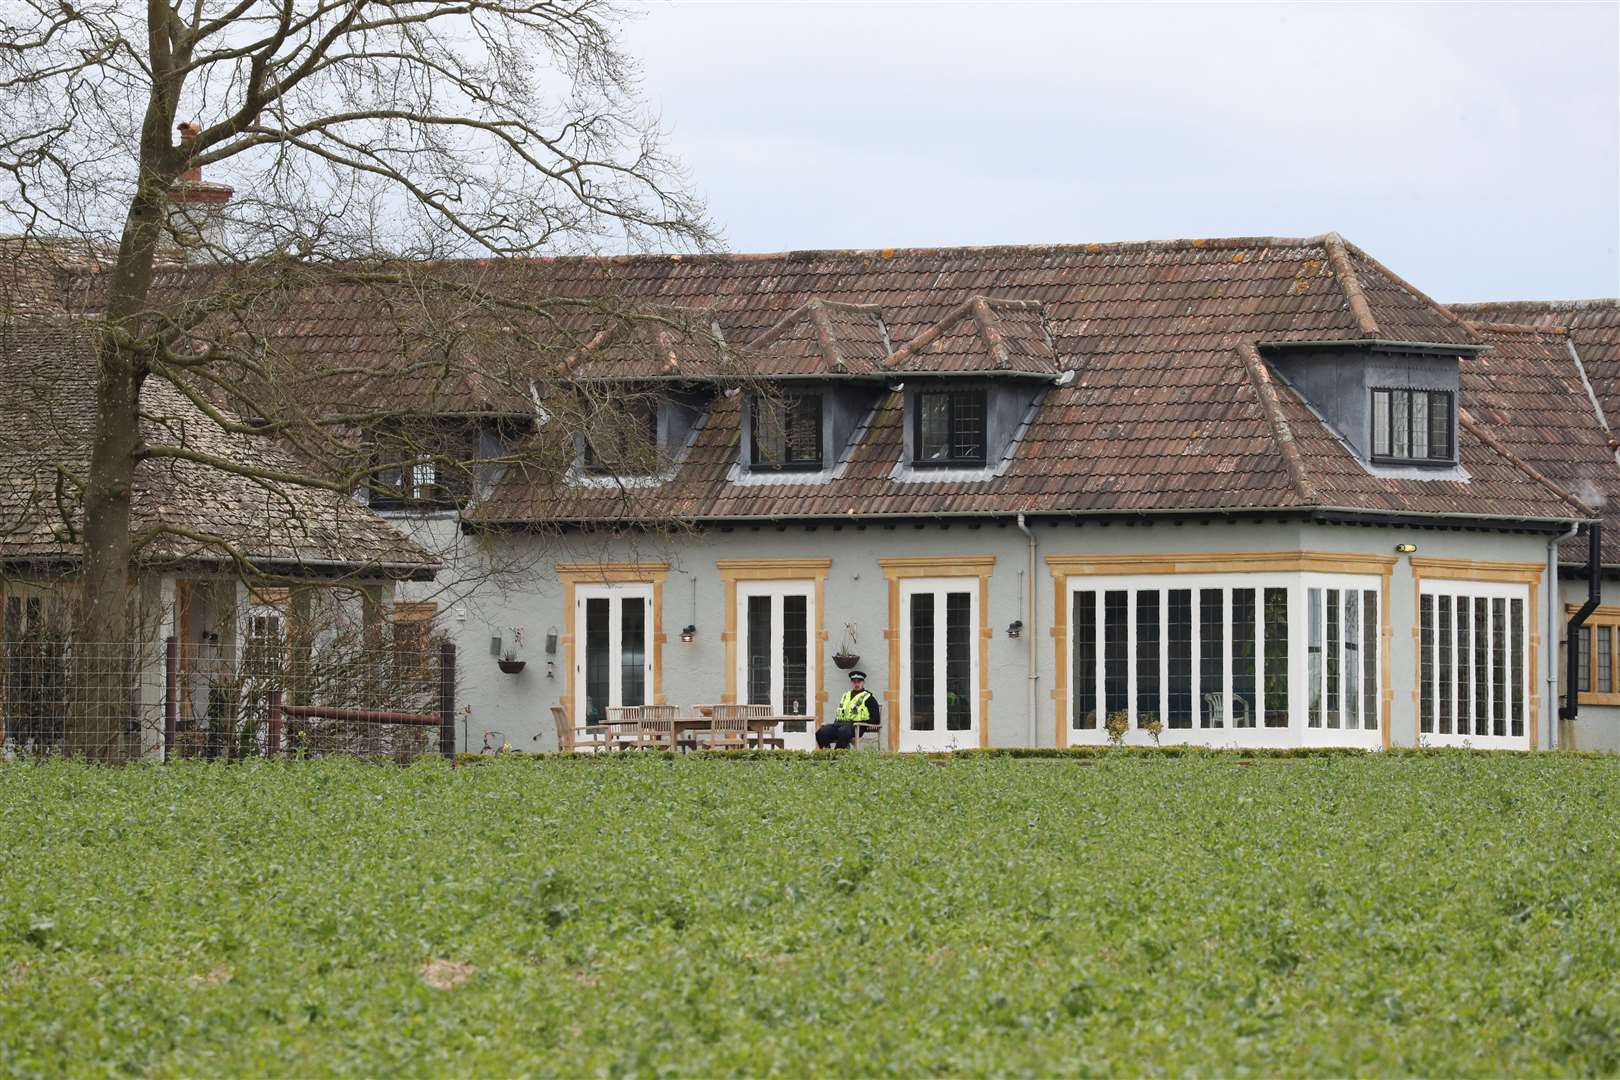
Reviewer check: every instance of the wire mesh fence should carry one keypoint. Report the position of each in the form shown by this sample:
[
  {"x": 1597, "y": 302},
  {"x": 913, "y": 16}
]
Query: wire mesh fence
[{"x": 265, "y": 696}]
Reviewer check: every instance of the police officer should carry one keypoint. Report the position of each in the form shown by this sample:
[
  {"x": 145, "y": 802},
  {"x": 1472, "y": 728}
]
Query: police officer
[{"x": 858, "y": 706}]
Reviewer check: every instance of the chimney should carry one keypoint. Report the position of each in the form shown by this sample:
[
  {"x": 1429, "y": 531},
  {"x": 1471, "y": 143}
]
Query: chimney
[
  {"x": 197, "y": 218},
  {"x": 189, "y": 186}
]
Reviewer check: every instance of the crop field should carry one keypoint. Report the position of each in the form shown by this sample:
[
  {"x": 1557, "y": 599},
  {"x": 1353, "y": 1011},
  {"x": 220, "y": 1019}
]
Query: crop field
[{"x": 1391, "y": 914}]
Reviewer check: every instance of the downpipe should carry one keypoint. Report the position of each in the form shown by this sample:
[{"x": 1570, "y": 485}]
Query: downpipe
[
  {"x": 1555, "y": 603},
  {"x": 1594, "y": 596},
  {"x": 1029, "y": 623}
]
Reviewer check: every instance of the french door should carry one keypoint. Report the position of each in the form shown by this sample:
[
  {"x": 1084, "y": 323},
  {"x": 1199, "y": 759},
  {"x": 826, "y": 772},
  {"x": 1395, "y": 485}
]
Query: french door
[
  {"x": 776, "y": 664},
  {"x": 613, "y": 664},
  {"x": 939, "y": 664}
]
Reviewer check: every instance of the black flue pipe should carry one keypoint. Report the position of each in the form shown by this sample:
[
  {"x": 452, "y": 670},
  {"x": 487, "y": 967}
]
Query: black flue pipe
[{"x": 1594, "y": 596}]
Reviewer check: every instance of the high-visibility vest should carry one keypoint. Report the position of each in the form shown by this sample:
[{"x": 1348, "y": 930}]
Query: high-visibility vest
[{"x": 852, "y": 707}]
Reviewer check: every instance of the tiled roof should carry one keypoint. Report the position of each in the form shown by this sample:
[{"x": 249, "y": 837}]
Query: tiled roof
[
  {"x": 1165, "y": 407},
  {"x": 1528, "y": 392},
  {"x": 1594, "y": 330},
  {"x": 981, "y": 335},
  {"x": 822, "y": 337},
  {"x": 1166, "y": 412},
  {"x": 36, "y": 273},
  {"x": 48, "y": 367},
  {"x": 655, "y": 341}
]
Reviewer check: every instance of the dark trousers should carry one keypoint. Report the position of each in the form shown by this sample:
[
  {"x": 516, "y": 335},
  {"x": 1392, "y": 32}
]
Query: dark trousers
[{"x": 839, "y": 735}]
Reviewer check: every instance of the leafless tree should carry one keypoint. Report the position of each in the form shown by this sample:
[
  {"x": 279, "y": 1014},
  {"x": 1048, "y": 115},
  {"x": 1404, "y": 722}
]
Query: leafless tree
[{"x": 367, "y": 146}]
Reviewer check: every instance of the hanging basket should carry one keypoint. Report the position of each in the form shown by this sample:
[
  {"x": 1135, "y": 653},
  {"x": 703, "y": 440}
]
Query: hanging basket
[
  {"x": 511, "y": 667},
  {"x": 846, "y": 660}
]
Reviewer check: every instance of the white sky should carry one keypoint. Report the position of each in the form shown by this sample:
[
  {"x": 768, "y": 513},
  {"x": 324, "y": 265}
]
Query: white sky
[{"x": 1473, "y": 148}]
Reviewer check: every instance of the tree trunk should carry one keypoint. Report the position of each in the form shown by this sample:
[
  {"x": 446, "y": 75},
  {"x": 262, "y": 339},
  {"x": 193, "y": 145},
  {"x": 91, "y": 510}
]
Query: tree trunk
[{"x": 103, "y": 704}]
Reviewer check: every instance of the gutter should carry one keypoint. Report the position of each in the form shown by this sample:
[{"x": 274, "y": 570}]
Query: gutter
[
  {"x": 1594, "y": 596},
  {"x": 1324, "y": 514},
  {"x": 1377, "y": 343},
  {"x": 1030, "y": 628},
  {"x": 1554, "y": 603}
]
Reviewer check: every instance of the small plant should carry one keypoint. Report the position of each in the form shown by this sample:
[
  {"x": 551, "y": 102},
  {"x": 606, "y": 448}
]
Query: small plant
[
  {"x": 1149, "y": 722},
  {"x": 846, "y": 657},
  {"x": 1117, "y": 724},
  {"x": 514, "y": 642},
  {"x": 509, "y": 661}
]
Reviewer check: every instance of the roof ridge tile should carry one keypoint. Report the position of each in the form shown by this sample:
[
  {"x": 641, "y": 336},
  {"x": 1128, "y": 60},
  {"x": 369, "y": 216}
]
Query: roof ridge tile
[
  {"x": 1282, "y": 434},
  {"x": 1345, "y": 274}
]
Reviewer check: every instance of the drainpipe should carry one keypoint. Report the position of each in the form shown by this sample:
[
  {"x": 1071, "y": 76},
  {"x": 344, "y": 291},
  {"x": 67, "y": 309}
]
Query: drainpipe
[
  {"x": 1594, "y": 596},
  {"x": 1555, "y": 626},
  {"x": 1030, "y": 625}
]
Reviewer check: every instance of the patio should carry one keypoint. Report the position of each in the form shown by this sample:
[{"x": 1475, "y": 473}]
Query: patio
[{"x": 717, "y": 726}]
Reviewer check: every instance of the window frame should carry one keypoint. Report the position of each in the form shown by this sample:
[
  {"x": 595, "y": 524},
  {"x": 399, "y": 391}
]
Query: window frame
[
  {"x": 952, "y": 460},
  {"x": 411, "y": 625},
  {"x": 591, "y": 462},
  {"x": 1605, "y": 617},
  {"x": 798, "y": 734},
  {"x": 1387, "y": 454},
  {"x": 1464, "y": 666},
  {"x": 791, "y": 400},
  {"x": 1222, "y": 731},
  {"x": 401, "y": 486}
]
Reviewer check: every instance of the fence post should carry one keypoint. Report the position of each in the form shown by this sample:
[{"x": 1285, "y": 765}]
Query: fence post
[
  {"x": 447, "y": 699},
  {"x": 275, "y": 724},
  {"x": 171, "y": 693}
]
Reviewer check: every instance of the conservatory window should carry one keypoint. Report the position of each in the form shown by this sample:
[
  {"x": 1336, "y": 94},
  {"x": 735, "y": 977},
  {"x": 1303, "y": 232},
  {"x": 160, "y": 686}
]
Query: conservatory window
[
  {"x": 1343, "y": 671},
  {"x": 1473, "y": 663},
  {"x": 1208, "y": 657}
]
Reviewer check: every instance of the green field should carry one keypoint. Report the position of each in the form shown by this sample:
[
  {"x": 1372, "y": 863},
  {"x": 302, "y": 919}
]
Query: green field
[{"x": 1429, "y": 914}]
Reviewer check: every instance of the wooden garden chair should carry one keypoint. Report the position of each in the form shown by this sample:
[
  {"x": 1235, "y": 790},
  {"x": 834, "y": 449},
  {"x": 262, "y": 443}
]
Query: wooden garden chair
[
  {"x": 762, "y": 738},
  {"x": 569, "y": 740},
  {"x": 655, "y": 727},
  {"x": 728, "y": 728}
]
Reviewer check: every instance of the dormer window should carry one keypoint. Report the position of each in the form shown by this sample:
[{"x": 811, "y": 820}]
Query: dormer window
[
  {"x": 624, "y": 442},
  {"x": 950, "y": 428},
  {"x": 1413, "y": 426},
  {"x": 787, "y": 434},
  {"x": 423, "y": 466}
]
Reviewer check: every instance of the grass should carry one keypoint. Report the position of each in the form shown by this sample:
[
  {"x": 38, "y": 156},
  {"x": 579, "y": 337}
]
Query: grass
[{"x": 1422, "y": 914}]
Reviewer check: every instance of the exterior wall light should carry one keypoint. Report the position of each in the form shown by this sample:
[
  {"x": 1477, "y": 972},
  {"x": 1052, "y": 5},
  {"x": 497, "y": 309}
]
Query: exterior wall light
[
  {"x": 1405, "y": 549},
  {"x": 1015, "y": 628},
  {"x": 688, "y": 633}
]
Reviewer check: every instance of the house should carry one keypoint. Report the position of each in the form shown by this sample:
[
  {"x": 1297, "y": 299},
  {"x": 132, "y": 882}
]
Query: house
[
  {"x": 1250, "y": 491},
  {"x": 222, "y": 558},
  {"x": 1255, "y": 492}
]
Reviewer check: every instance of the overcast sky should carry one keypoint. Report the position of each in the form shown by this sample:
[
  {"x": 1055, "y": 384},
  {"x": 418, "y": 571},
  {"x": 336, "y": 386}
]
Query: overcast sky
[{"x": 1473, "y": 148}]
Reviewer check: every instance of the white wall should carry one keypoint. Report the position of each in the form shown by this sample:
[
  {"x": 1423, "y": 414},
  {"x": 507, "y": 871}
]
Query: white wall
[{"x": 518, "y": 706}]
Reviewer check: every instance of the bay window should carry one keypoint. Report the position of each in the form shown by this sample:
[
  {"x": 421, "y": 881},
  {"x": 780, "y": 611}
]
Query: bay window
[{"x": 1262, "y": 659}]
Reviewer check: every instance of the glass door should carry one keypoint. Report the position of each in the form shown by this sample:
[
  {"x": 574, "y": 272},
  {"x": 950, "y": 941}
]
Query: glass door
[
  {"x": 776, "y": 665},
  {"x": 939, "y": 666},
  {"x": 612, "y": 661}
]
